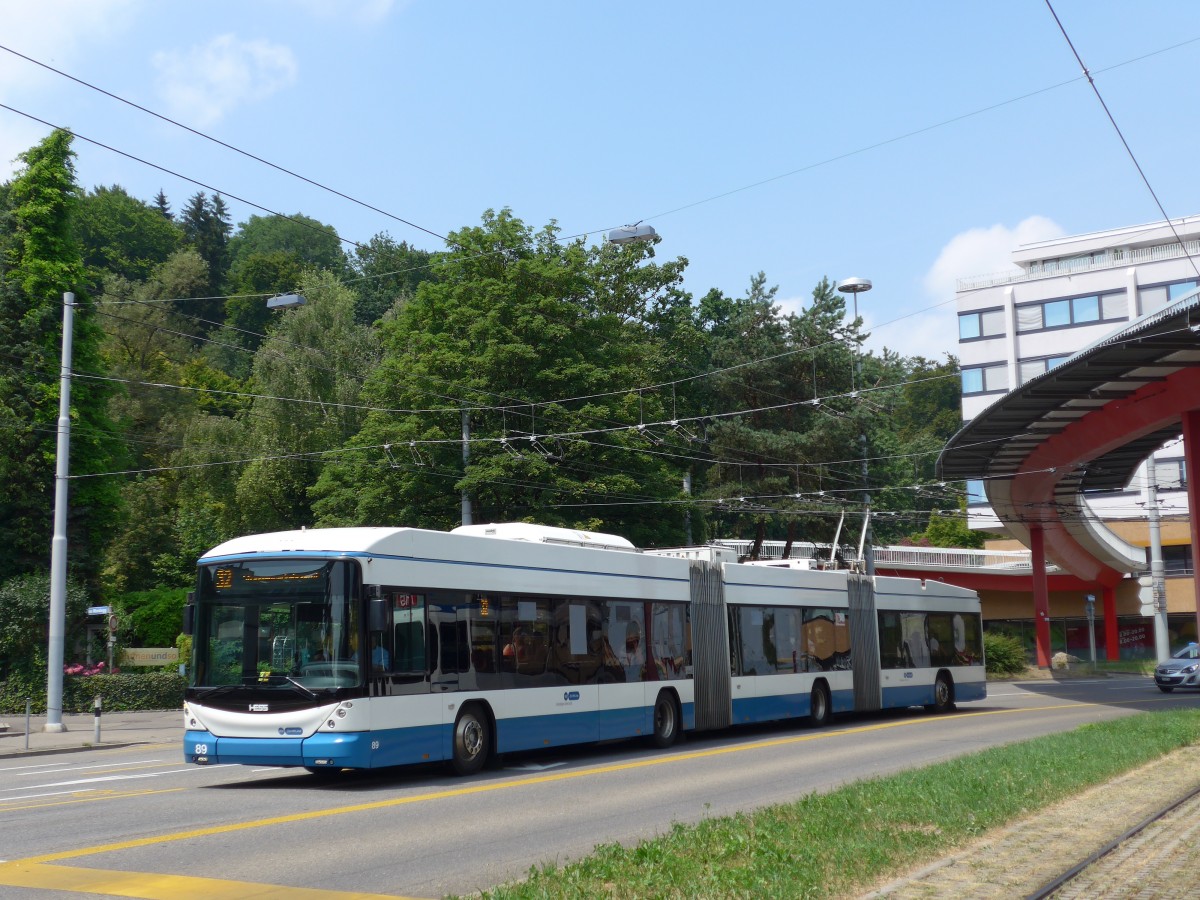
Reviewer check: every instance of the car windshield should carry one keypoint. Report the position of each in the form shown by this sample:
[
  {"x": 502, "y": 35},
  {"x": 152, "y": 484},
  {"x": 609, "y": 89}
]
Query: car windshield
[{"x": 1191, "y": 651}]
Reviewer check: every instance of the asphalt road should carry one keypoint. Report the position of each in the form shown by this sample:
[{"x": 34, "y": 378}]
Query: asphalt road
[{"x": 144, "y": 824}]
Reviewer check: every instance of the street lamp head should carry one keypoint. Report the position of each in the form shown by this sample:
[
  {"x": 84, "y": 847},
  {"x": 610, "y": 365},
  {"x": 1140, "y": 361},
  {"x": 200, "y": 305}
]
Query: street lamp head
[
  {"x": 286, "y": 301},
  {"x": 631, "y": 234},
  {"x": 854, "y": 285}
]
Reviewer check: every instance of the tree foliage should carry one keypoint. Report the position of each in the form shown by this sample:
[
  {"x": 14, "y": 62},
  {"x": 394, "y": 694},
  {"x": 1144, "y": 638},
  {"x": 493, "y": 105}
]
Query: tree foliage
[
  {"x": 39, "y": 263},
  {"x": 593, "y": 386}
]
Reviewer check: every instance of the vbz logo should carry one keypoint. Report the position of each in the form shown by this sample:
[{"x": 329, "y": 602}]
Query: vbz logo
[{"x": 571, "y": 695}]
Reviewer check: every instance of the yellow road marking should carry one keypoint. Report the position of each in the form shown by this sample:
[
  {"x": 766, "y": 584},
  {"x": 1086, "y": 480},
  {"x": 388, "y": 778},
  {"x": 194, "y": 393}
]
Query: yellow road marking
[{"x": 146, "y": 886}]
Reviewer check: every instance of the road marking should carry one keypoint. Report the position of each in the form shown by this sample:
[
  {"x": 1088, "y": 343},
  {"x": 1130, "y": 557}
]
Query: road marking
[
  {"x": 77, "y": 797},
  {"x": 148, "y": 886},
  {"x": 507, "y": 784},
  {"x": 49, "y": 768},
  {"x": 98, "y": 779}
]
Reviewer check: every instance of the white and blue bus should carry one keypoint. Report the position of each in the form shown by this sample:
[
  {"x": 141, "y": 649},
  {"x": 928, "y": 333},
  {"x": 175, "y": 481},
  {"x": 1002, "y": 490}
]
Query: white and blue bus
[{"x": 368, "y": 647}]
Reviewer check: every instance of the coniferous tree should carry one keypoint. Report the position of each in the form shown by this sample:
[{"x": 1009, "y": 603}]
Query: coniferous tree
[{"x": 161, "y": 204}]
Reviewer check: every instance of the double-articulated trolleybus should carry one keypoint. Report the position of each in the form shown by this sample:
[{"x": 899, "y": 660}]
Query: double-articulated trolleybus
[{"x": 365, "y": 647}]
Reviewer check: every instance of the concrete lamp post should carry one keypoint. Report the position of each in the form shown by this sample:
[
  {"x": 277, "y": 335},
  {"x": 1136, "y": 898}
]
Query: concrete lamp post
[{"x": 854, "y": 287}]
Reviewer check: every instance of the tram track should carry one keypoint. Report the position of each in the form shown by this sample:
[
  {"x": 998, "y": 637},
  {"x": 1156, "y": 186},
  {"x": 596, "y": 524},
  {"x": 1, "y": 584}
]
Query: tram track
[{"x": 1060, "y": 885}]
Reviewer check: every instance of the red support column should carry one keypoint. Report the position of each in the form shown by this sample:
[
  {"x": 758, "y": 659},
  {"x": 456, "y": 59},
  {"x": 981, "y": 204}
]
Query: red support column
[
  {"x": 1112, "y": 649},
  {"x": 1041, "y": 595},
  {"x": 1191, "y": 455}
]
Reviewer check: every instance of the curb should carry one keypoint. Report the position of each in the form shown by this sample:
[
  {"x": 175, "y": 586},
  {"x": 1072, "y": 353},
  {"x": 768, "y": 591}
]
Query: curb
[{"x": 52, "y": 751}]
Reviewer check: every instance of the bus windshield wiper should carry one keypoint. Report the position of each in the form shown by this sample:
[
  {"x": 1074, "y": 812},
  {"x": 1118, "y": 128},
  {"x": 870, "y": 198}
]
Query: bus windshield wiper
[{"x": 300, "y": 686}]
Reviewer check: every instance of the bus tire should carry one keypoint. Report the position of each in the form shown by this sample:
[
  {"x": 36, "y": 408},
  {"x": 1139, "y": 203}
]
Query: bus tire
[
  {"x": 666, "y": 721},
  {"x": 472, "y": 741},
  {"x": 943, "y": 694},
  {"x": 819, "y": 705}
]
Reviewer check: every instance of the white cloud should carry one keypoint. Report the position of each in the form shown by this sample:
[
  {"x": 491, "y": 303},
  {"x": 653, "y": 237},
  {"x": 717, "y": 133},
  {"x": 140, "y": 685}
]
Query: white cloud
[
  {"x": 982, "y": 251},
  {"x": 931, "y": 333},
  {"x": 54, "y": 32},
  {"x": 204, "y": 83}
]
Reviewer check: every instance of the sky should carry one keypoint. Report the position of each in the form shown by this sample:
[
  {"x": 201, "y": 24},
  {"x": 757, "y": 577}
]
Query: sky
[{"x": 910, "y": 143}]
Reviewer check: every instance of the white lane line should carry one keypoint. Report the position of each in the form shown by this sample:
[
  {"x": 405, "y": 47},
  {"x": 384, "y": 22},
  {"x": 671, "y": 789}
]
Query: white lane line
[
  {"x": 48, "y": 768},
  {"x": 100, "y": 779}
]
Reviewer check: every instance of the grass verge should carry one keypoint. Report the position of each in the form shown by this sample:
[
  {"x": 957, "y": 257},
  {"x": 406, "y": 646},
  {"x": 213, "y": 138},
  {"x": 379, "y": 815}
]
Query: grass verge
[{"x": 827, "y": 845}]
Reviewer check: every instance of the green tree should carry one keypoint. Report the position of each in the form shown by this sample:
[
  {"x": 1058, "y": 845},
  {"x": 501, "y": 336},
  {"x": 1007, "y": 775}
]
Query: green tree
[
  {"x": 24, "y": 612},
  {"x": 772, "y": 445},
  {"x": 147, "y": 346},
  {"x": 386, "y": 273},
  {"x": 206, "y": 228},
  {"x": 308, "y": 374},
  {"x": 39, "y": 261},
  {"x": 268, "y": 255},
  {"x": 511, "y": 324},
  {"x": 122, "y": 235}
]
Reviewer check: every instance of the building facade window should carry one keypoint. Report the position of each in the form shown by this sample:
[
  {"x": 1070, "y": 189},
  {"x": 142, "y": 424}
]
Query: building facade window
[
  {"x": 1072, "y": 311},
  {"x": 1028, "y": 369},
  {"x": 976, "y": 496},
  {"x": 1170, "y": 474},
  {"x": 1155, "y": 297},
  {"x": 990, "y": 379},
  {"x": 985, "y": 323}
]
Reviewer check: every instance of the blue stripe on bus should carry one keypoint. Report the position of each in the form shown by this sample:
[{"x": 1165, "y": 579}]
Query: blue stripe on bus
[{"x": 777, "y": 707}]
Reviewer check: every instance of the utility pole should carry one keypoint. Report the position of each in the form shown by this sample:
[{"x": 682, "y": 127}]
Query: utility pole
[
  {"x": 466, "y": 457},
  {"x": 58, "y": 545},
  {"x": 1162, "y": 639}
]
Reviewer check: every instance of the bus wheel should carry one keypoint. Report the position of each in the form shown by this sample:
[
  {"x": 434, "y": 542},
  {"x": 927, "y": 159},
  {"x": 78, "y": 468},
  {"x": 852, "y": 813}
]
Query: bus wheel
[
  {"x": 471, "y": 740},
  {"x": 818, "y": 705},
  {"x": 943, "y": 695},
  {"x": 666, "y": 721}
]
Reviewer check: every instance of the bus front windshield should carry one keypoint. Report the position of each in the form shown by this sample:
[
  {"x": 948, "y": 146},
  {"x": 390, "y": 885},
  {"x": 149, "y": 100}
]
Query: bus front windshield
[{"x": 284, "y": 623}]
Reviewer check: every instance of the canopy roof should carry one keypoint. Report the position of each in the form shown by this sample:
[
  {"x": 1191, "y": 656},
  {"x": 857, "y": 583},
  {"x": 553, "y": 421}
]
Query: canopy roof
[{"x": 1085, "y": 425}]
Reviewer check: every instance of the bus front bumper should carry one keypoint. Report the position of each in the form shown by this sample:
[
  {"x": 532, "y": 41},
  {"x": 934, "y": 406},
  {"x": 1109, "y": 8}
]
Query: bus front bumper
[{"x": 335, "y": 751}]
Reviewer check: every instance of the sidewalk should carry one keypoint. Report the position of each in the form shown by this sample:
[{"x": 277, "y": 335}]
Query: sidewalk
[{"x": 117, "y": 729}]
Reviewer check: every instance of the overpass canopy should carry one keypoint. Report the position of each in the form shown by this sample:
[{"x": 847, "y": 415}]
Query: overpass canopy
[{"x": 1085, "y": 425}]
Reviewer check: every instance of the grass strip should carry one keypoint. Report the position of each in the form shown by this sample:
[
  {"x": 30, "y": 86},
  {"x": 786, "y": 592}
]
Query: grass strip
[{"x": 827, "y": 845}]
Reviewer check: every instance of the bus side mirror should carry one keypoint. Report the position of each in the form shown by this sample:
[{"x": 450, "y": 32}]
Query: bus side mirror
[
  {"x": 377, "y": 617},
  {"x": 189, "y": 614}
]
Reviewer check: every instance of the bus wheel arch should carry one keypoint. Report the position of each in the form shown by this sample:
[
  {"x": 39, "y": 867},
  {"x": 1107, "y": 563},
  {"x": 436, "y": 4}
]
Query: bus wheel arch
[
  {"x": 666, "y": 719},
  {"x": 943, "y": 693},
  {"x": 471, "y": 741},
  {"x": 819, "y": 704}
]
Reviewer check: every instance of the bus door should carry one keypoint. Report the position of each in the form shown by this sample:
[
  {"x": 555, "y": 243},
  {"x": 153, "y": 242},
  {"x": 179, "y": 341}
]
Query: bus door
[{"x": 449, "y": 647}]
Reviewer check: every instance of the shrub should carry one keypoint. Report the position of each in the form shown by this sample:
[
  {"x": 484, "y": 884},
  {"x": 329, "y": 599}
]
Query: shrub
[
  {"x": 156, "y": 616},
  {"x": 120, "y": 692},
  {"x": 1005, "y": 654}
]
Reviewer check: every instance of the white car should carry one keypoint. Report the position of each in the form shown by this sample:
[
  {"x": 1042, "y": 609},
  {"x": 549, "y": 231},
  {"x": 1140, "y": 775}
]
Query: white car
[{"x": 1181, "y": 670}]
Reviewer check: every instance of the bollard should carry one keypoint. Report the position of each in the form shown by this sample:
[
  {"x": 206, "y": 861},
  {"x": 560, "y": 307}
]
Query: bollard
[
  {"x": 27, "y": 707},
  {"x": 96, "y": 723}
]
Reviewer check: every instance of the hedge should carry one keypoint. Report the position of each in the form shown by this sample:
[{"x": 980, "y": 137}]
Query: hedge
[{"x": 119, "y": 693}]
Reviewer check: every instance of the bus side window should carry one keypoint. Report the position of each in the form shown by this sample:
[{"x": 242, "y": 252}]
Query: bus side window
[{"x": 410, "y": 648}]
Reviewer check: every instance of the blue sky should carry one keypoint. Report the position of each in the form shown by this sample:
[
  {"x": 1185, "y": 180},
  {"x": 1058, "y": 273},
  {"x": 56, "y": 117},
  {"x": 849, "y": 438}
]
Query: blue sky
[{"x": 800, "y": 139}]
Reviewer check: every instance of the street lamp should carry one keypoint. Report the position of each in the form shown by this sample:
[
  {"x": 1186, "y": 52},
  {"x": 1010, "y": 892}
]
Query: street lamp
[
  {"x": 286, "y": 301},
  {"x": 854, "y": 287},
  {"x": 632, "y": 234}
]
